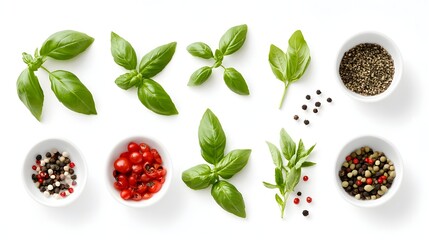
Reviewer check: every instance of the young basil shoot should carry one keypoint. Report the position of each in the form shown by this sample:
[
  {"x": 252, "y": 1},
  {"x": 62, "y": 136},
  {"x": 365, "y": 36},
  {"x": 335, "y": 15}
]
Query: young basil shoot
[
  {"x": 150, "y": 93},
  {"x": 287, "y": 173},
  {"x": 290, "y": 66},
  {"x": 66, "y": 86},
  {"x": 230, "y": 42},
  {"x": 212, "y": 142}
]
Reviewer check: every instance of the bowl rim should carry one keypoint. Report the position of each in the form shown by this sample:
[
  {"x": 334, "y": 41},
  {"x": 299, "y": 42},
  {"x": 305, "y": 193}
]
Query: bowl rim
[
  {"x": 165, "y": 157},
  {"x": 82, "y": 179},
  {"x": 398, "y": 179},
  {"x": 398, "y": 64}
]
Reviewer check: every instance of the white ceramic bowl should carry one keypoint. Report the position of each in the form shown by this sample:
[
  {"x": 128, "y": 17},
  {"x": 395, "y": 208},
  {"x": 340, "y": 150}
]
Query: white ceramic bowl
[
  {"x": 377, "y": 144},
  {"x": 75, "y": 156},
  {"x": 122, "y": 147},
  {"x": 389, "y": 45}
]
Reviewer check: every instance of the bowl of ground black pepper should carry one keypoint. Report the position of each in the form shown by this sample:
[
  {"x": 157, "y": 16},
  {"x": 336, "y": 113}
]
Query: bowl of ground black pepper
[
  {"x": 54, "y": 172},
  {"x": 369, "y": 66},
  {"x": 368, "y": 171}
]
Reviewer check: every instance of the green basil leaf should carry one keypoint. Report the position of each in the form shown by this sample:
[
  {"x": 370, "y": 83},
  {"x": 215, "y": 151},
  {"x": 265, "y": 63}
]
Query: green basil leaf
[
  {"x": 287, "y": 145},
  {"x": 278, "y": 62},
  {"x": 308, "y": 164},
  {"x": 128, "y": 80},
  {"x": 310, "y": 150},
  {"x": 218, "y": 56},
  {"x": 301, "y": 161},
  {"x": 71, "y": 92},
  {"x": 200, "y": 49},
  {"x": 156, "y": 60},
  {"x": 278, "y": 174},
  {"x": 300, "y": 152},
  {"x": 122, "y": 51},
  {"x": 292, "y": 179},
  {"x": 229, "y": 198},
  {"x": 66, "y": 44},
  {"x": 200, "y": 76},
  {"x": 211, "y": 137},
  {"x": 198, "y": 177},
  {"x": 279, "y": 201},
  {"x": 30, "y": 92},
  {"x": 233, "y": 39},
  {"x": 276, "y": 155},
  {"x": 155, "y": 98},
  {"x": 298, "y": 56},
  {"x": 235, "y": 81},
  {"x": 232, "y": 163},
  {"x": 270, "y": 185}
]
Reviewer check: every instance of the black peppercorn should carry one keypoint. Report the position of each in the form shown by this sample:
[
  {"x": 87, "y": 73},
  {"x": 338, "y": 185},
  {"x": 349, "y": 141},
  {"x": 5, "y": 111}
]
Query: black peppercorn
[
  {"x": 305, "y": 213},
  {"x": 304, "y": 107},
  {"x": 329, "y": 100},
  {"x": 71, "y": 171},
  {"x": 318, "y": 92},
  {"x": 73, "y": 177},
  {"x": 39, "y": 157},
  {"x": 308, "y": 97},
  {"x": 315, "y": 110},
  {"x": 306, "y": 122},
  {"x": 296, "y": 117},
  {"x": 299, "y": 193},
  {"x": 48, "y": 155},
  {"x": 318, "y": 104}
]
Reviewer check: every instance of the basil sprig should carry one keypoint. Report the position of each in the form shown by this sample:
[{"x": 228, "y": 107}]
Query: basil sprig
[
  {"x": 69, "y": 90},
  {"x": 290, "y": 66},
  {"x": 287, "y": 173},
  {"x": 230, "y": 42},
  {"x": 212, "y": 141},
  {"x": 150, "y": 93}
]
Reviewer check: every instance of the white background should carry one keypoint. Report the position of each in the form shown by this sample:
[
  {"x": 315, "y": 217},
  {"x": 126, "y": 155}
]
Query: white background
[{"x": 248, "y": 121}]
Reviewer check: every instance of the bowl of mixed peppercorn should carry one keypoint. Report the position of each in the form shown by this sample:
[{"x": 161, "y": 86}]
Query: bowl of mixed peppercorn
[
  {"x": 54, "y": 172},
  {"x": 368, "y": 171},
  {"x": 369, "y": 66}
]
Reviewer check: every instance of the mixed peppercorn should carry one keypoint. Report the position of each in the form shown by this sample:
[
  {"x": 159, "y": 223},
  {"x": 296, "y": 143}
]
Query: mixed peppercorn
[
  {"x": 54, "y": 175},
  {"x": 367, "y": 174},
  {"x": 297, "y": 200}
]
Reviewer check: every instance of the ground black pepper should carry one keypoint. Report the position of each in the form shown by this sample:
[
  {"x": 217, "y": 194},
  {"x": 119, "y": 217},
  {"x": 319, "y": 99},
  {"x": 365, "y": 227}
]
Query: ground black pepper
[{"x": 367, "y": 69}]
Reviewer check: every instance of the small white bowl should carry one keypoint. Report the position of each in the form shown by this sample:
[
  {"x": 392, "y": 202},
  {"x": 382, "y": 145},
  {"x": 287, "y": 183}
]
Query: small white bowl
[
  {"x": 377, "y": 144},
  {"x": 385, "y": 42},
  {"x": 75, "y": 156},
  {"x": 122, "y": 147}
]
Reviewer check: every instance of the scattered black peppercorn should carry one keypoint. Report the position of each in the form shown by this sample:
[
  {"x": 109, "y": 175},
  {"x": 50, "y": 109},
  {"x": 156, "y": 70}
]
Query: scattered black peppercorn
[
  {"x": 318, "y": 104},
  {"x": 304, "y": 107},
  {"x": 296, "y": 117},
  {"x": 305, "y": 213},
  {"x": 299, "y": 193},
  {"x": 315, "y": 110},
  {"x": 306, "y": 122},
  {"x": 308, "y": 97},
  {"x": 318, "y": 92},
  {"x": 329, "y": 100}
]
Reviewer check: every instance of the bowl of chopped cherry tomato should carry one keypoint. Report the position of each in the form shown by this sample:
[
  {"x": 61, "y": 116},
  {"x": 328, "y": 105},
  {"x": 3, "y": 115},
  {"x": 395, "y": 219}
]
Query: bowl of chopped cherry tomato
[{"x": 139, "y": 171}]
